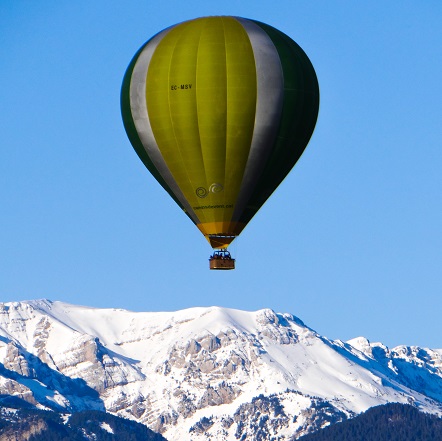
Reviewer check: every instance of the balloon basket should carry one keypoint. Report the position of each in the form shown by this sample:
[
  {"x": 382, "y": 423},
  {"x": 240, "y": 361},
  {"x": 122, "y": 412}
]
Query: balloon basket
[{"x": 221, "y": 260}]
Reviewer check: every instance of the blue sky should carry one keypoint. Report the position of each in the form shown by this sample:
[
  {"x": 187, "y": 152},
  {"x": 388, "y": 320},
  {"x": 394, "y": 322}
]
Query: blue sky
[{"x": 351, "y": 242}]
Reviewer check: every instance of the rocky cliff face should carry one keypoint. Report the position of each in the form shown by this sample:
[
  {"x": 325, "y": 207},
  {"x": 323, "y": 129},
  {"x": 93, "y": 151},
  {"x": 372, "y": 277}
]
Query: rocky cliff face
[{"x": 204, "y": 373}]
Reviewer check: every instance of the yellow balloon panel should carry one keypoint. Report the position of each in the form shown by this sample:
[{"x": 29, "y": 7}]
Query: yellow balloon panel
[{"x": 201, "y": 98}]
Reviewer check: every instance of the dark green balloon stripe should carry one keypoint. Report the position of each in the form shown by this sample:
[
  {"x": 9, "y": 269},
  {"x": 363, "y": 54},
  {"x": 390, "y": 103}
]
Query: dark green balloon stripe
[{"x": 299, "y": 114}]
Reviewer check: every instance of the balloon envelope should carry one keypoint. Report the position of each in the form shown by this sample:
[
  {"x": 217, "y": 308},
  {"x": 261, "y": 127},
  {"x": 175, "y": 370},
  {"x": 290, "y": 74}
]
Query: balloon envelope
[{"x": 219, "y": 109}]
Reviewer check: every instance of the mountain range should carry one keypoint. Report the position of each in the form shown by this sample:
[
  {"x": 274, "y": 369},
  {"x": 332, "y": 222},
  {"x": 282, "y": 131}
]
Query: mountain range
[{"x": 204, "y": 374}]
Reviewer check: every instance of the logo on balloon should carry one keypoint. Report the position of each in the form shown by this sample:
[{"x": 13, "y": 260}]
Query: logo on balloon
[
  {"x": 216, "y": 188},
  {"x": 202, "y": 192}
]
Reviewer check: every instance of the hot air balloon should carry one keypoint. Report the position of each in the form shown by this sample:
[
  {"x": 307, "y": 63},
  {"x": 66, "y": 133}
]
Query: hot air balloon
[{"x": 219, "y": 110}]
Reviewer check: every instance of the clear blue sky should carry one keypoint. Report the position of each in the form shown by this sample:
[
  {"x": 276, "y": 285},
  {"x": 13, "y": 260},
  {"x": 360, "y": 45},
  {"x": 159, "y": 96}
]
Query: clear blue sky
[{"x": 351, "y": 242}]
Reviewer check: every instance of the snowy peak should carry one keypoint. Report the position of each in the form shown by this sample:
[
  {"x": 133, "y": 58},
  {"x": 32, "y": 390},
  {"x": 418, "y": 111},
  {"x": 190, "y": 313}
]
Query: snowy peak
[{"x": 204, "y": 372}]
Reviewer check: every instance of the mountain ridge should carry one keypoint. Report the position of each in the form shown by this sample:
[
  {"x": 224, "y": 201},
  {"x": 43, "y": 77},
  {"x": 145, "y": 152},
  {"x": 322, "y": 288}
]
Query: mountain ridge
[{"x": 206, "y": 371}]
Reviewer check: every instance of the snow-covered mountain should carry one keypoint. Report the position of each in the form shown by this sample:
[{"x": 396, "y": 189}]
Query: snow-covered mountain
[{"x": 205, "y": 373}]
